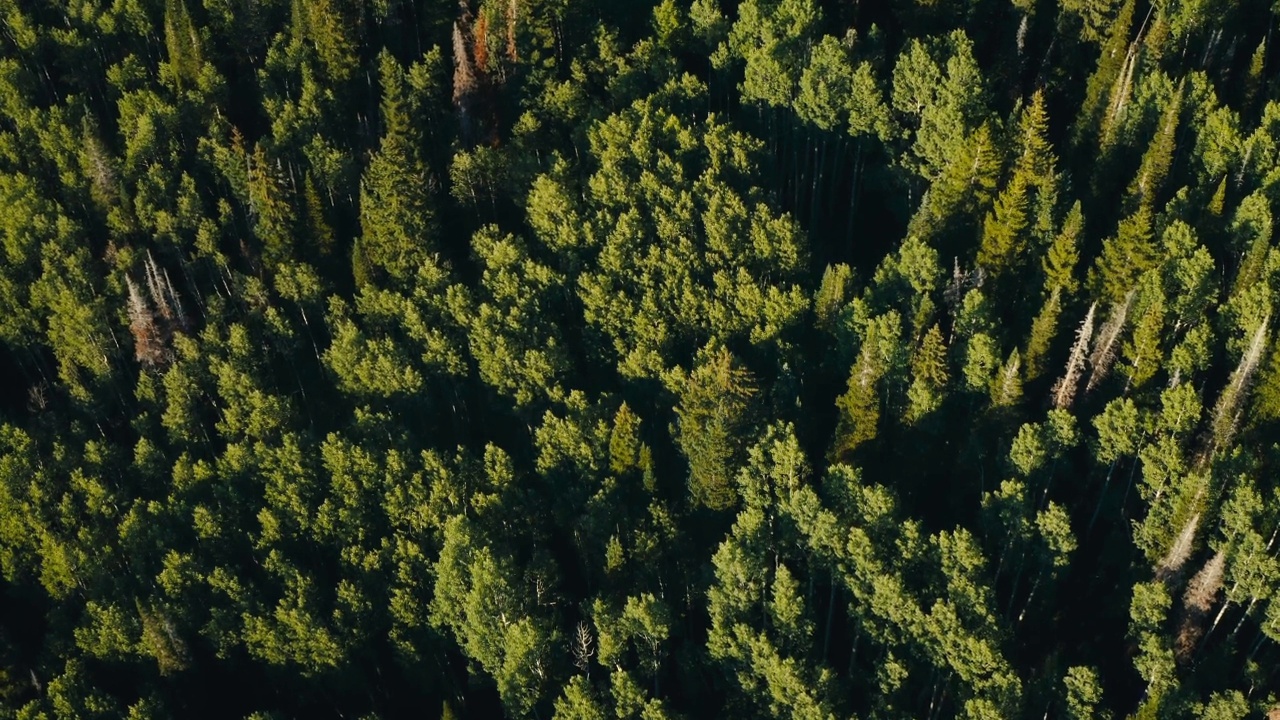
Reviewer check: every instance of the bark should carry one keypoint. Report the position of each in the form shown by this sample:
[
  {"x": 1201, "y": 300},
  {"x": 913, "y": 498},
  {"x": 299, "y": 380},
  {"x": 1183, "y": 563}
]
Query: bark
[
  {"x": 1104, "y": 350},
  {"x": 1065, "y": 389}
]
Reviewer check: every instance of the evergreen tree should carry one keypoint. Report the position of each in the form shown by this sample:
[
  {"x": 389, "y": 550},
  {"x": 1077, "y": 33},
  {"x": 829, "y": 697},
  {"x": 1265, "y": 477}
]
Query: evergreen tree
[
  {"x": 928, "y": 376},
  {"x": 1125, "y": 257},
  {"x": 1060, "y": 261},
  {"x": 714, "y": 414},
  {"x": 485, "y": 467},
  {"x": 183, "y": 44},
  {"x": 1043, "y": 330},
  {"x": 396, "y": 212},
  {"x": 1159, "y": 155},
  {"x": 1003, "y": 239}
]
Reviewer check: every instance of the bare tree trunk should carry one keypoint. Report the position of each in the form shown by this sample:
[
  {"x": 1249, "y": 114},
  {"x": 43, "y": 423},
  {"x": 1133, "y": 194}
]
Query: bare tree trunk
[{"x": 1065, "y": 389}]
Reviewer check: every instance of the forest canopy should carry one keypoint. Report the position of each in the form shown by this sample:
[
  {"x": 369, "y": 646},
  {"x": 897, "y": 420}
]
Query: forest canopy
[{"x": 585, "y": 359}]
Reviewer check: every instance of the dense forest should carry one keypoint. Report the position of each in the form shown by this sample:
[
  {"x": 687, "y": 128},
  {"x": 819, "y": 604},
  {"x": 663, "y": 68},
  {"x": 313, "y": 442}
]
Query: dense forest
[{"x": 587, "y": 359}]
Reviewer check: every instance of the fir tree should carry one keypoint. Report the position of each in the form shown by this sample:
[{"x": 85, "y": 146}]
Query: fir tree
[
  {"x": 183, "y": 44},
  {"x": 1159, "y": 154},
  {"x": 1059, "y": 262},
  {"x": 1125, "y": 257},
  {"x": 928, "y": 376},
  {"x": 1003, "y": 240},
  {"x": 1112, "y": 63},
  {"x": 1142, "y": 352},
  {"x": 1043, "y": 330},
  {"x": 714, "y": 413}
]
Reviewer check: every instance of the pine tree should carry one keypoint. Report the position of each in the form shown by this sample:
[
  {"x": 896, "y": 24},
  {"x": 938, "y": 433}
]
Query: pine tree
[
  {"x": 1159, "y": 154},
  {"x": 1125, "y": 257},
  {"x": 1006, "y": 387},
  {"x": 1060, "y": 262},
  {"x": 928, "y": 376},
  {"x": 713, "y": 417},
  {"x": 1043, "y": 330},
  {"x": 183, "y": 44},
  {"x": 397, "y": 219},
  {"x": 1003, "y": 240},
  {"x": 1111, "y": 64}
]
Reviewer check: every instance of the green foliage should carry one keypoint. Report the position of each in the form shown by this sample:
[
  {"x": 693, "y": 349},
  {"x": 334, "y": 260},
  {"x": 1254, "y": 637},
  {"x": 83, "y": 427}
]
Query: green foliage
[
  {"x": 517, "y": 349},
  {"x": 938, "y": 87},
  {"x": 1083, "y": 692},
  {"x": 859, "y": 406},
  {"x": 928, "y": 376},
  {"x": 1043, "y": 330},
  {"x": 1125, "y": 257},
  {"x": 714, "y": 414},
  {"x": 832, "y": 295},
  {"x": 534, "y": 358},
  {"x": 396, "y": 213},
  {"x": 1003, "y": 232},
  {"x": 1112, "y": 62},
  {"x": 723, "y": 267},
  {"x": 182, "y": 43},
  {"x": 771, "y": 39},
  {"x": 1059, "y": 262}
]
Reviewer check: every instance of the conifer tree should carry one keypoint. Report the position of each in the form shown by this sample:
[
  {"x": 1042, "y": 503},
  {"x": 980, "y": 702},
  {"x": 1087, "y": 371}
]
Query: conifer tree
[
  {"x": 713, "y": 415},
  {"x": 1035, "y": 158},
  {"x": 1159, "y": 154},
  {"x": 1095, "y": 16},
  {"x": 1112, "y": 63},
  {"x": 396, "y": 214},
  {"x": 928, "y": 376},
  {"x": 272, "y": 207},
  {"x": 859, "y": 406},
  {"x": 1142, "y": 352},
  {"x": 1059, "y": 262},
  {"x": 330, "y": 31},
  {"x": 1254, "y": 82},
  {"x": 1125, "y": 257},
  {"x": 1003, "y": 232},
  {"x": 1006, "y": 386},
  {"x": 832, "y": 294},
  {"x": 1043, "y": 330},
  {"x": 183, "y": 44}
]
